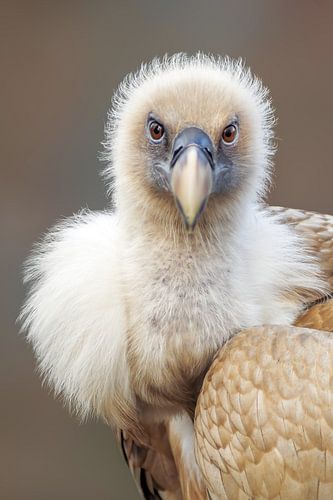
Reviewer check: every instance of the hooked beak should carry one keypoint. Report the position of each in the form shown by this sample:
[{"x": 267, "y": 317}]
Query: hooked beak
[{"x": 192, "y": 173}]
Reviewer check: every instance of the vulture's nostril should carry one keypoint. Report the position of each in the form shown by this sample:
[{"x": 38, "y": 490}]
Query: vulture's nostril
[
  {"x": 210, "y": 155},
  {"x": 176, "y": 154}
]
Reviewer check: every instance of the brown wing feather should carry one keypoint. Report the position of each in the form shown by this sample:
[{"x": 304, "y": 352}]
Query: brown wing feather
[
  {"x": 264, "y": 418},
  {"x": 319, "y": 316},
  {"x": 152, "y": 465},
  {"x": 318, "y": 231}
]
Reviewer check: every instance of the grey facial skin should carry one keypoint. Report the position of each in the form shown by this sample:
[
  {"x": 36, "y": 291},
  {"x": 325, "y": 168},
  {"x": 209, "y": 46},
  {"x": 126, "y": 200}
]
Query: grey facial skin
[
  {"x": 227, "y": 175},
  {"x": 192, "y": 169}
]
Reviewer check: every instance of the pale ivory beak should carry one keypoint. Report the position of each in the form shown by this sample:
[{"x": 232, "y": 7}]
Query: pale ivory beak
[{"x": 191, "y": 183}]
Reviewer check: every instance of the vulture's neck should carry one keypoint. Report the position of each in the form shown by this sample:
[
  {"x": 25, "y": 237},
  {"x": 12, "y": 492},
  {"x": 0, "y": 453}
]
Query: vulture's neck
[{"x": 221, "y": 227}]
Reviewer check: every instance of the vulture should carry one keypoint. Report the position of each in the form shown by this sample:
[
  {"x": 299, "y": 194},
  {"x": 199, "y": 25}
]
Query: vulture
[{"x": 190, "y": 316}]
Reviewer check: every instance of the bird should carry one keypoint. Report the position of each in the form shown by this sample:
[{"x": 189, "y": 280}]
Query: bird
[{"x": 128, "y": 307}]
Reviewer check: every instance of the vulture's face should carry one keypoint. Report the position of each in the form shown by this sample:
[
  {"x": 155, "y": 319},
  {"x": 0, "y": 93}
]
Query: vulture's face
[{"x": 190, "y": 135}]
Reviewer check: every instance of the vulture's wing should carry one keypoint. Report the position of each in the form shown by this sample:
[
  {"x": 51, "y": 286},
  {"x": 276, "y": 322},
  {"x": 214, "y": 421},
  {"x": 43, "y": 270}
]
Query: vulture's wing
[
  {"x": 264, "y": 418},
  {"x": 163, "y": 467},
  {"x": 318, "y": 231},
  {"x": 153, "y": 469}
]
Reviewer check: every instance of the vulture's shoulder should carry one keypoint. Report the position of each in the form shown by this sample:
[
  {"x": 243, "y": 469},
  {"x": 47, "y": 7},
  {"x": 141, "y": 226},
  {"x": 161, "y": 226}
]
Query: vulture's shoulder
[{"x": 316, "y": 228}]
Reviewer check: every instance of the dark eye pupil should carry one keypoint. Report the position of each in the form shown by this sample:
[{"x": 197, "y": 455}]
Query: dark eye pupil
[
  {"x": 156, "y": 131},
  {"x": 229, "y": 133}
]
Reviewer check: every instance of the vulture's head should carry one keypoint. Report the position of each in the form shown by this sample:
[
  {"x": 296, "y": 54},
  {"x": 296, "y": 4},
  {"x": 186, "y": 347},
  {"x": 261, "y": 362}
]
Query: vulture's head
[{"x": 189, "y": 138}]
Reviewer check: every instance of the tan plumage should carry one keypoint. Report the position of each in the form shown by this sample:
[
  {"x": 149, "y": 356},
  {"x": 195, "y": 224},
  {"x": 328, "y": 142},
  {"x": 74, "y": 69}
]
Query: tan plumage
[
  {"x": 128, "y": 307},
  {"x": 318, "y": 231},
  {"x": 264, "y": 420},
  {"x": 319, "y": 317}
]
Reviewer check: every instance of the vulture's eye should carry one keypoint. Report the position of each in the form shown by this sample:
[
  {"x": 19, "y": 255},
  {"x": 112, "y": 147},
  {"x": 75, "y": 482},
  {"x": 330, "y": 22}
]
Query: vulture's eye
[
  {"x": 156, "y": 131},
  {"x": 229, "y": 134}
]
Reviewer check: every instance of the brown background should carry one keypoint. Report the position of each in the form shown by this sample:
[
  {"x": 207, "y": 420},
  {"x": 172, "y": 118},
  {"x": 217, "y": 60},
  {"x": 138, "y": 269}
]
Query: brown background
[{"x": 60, "y": 62}]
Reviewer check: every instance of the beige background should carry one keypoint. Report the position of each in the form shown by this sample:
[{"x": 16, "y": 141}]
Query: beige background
[{"x": 60, "y": 62}]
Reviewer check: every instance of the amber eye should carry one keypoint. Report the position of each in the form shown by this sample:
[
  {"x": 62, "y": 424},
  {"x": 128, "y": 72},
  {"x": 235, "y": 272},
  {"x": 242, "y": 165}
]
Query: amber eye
[
  {"x": 229, "y": 134},
  {"x": 156, "y": 131}
]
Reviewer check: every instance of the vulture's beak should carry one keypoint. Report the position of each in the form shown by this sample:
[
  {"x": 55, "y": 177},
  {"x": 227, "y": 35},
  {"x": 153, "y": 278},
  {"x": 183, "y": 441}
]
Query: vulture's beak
[{"x": 192, "y": 169}]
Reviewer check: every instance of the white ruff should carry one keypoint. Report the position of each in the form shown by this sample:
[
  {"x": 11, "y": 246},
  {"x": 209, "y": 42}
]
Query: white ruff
[{"x": 92, "y": 281}]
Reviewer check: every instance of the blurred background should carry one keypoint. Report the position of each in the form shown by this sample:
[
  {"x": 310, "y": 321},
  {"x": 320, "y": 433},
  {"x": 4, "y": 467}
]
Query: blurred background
[{"x": 60, "y": 63}]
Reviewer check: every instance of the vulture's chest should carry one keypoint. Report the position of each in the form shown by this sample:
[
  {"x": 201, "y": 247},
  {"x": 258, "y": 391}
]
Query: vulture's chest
[
  {"x": 181, "y": 308},
  {"x": 182, "y": 295},
  {"x": 178, "y": 315}
]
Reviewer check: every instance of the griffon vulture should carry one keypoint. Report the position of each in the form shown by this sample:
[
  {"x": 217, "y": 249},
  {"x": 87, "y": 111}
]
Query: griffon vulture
[{"x": 129, "y": 307}]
